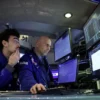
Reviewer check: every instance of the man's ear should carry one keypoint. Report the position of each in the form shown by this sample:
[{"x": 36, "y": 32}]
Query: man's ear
[{"x": 4, "y": 43}]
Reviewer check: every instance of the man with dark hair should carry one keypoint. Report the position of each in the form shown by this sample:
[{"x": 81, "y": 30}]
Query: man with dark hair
[
  {"x": 9, "y": 57},
  {"x": 35, "y": 74}
]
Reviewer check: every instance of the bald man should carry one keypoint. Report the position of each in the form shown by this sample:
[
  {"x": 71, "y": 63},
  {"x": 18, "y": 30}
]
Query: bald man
[{"x": 35, "y": 74}]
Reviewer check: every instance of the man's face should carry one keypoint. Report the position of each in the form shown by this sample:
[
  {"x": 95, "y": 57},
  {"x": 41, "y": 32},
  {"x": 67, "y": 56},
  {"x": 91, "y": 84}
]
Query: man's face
[
  {"x": 13, "y": 44},
  {"x": 44, "y": 46}
]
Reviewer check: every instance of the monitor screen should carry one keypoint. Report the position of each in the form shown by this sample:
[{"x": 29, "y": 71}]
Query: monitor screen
[
  {"x": 96, "y": 60},
  {"x": 67, "y": 71},
  {"x": 62, "y": 47},
  {"x": 55, "y": 73},
  {"x": 92, "y": 29},
  {"x": 21, "y": 55},
  {"x": 94, "y": 57}
]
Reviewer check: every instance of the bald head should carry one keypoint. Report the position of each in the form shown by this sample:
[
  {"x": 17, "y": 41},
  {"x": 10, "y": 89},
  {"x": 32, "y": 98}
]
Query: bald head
[
  {"x": 43, "y": 45},
  {"x": 42, "y": 39}
]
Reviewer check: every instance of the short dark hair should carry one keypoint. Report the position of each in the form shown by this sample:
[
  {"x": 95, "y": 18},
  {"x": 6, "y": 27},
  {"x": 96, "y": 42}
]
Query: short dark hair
[{"x": 6, "y": 34}]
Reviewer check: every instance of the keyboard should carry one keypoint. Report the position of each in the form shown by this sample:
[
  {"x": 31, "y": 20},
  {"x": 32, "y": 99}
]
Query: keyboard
[{"x": 59, "y": 91}]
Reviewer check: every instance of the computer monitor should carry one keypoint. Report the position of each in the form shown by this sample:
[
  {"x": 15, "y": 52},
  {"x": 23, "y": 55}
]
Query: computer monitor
[
  {"x": 94, "y": 58},
  {"x": 67, "y": 71},
  {"x": 55, "y": 73},
  {"x": 62, "y": 47},
  {"x": 21, "y": 55},
  {"x": 92, "y": 29}
]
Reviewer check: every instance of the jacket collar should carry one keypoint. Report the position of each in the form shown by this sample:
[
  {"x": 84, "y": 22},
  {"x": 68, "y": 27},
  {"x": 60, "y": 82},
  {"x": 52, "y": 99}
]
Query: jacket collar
[{"x": 36, "y": 57}]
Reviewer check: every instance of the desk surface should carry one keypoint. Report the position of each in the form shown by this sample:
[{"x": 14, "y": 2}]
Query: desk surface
[{"x": 12, "y": 96}]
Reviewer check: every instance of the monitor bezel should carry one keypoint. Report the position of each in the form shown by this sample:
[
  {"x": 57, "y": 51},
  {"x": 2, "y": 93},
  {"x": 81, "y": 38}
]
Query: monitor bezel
[
  {"x": 70, "y": 41},
  {"x": 76, "y": 73},
  {"x": 90, "y": 47}
]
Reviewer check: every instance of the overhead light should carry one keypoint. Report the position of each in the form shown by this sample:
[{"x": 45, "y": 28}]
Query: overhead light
[
  {"x": 69, "y": 28},
  {"x": 68, "y": 15}
]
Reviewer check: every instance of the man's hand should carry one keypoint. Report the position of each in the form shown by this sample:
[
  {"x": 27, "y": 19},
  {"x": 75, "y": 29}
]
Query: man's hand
[
  {"x": 14, "y": 58},
  {"x": 37, "y": 88}
]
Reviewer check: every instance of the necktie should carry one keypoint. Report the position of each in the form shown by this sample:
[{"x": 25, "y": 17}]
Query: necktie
[{"x": 45, "y": 63}]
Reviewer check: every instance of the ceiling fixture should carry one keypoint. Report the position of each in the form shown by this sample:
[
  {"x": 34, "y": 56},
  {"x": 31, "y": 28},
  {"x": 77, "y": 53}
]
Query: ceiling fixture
[{"x": 68, "y": 15}]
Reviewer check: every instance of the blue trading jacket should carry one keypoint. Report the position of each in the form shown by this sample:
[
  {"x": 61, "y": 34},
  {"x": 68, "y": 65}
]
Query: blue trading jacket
[
  {"x": 6, "y": 82},
  {"x": 31, "y": 71}
]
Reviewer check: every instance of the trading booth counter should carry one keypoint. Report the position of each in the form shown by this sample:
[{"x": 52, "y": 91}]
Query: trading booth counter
[{"x": 20, "y": 96}]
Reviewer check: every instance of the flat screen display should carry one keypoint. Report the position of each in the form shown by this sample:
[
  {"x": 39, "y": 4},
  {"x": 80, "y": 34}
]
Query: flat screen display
[
  {"x": 62, "y": 47},
  {"x": 94, "y": 57},
  {"x": 54, "y": 73},
  {"x": 92, "y": 29},
  {"x": 67, "y": 71},
  {"x": 21, "y": 55}
]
